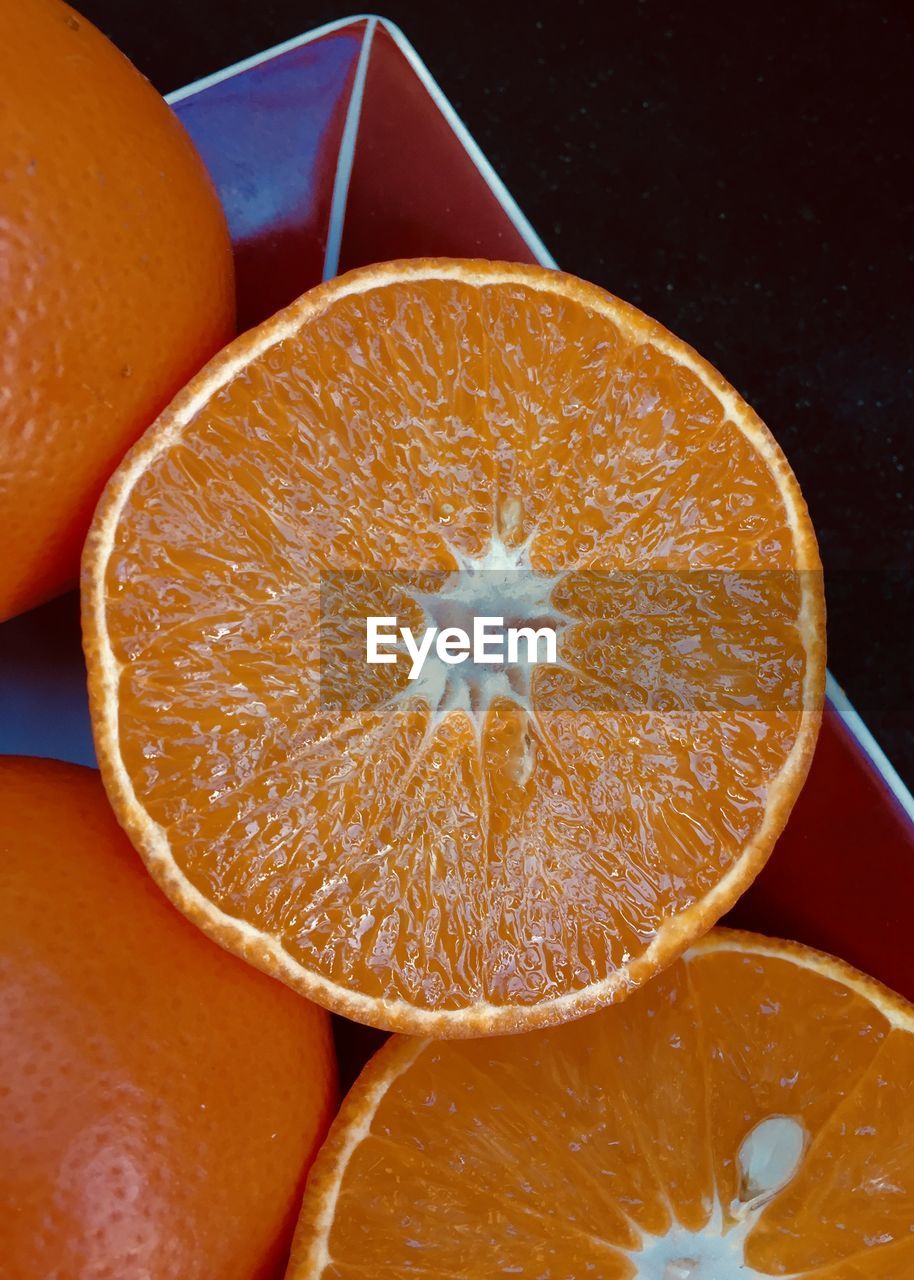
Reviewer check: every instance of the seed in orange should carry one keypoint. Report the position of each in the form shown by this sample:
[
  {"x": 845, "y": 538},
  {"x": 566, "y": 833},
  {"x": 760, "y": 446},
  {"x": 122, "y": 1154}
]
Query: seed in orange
[
  {"x": 487, "y": 848},
  {"x": 745, "y": 1115},
  {"x": 160, "y": 1101},
  {"x": 117, "y": 281}
]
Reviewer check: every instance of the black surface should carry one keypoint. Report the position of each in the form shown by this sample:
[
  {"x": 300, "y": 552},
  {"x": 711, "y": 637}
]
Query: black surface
[{"x": 741, "y": 172}]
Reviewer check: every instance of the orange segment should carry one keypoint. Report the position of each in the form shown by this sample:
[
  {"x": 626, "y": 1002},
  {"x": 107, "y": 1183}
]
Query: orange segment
[
  {"x": 491, "y": 847},
  {"x": 755, "y": 1001},
  {"x": 864, "y": 1150},
  {"x": 743, "y": 1116},
  {"x": 894, "y": 1262}
]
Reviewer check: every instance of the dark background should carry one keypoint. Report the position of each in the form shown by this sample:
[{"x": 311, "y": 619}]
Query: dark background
[{"x": 743, "y": 173}]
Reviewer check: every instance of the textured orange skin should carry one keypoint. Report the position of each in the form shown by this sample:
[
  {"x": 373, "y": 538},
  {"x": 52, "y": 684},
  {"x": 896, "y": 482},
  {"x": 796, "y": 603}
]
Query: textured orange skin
[
  {"x": 160, "y": 1100},
  {"x": 116, "y": 281}
]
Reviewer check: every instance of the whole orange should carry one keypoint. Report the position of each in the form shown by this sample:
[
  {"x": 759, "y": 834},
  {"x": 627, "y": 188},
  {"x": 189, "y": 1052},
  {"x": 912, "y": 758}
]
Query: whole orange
[
  {"x": 160, "y": 1100},
  {"x": 116, "y": 281}
]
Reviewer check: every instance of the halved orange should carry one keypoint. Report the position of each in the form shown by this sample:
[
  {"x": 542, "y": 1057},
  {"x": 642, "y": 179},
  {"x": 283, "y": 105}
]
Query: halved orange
[
  {"x": 489, "y": 847},
  {"x": 747, "y": 1114}
]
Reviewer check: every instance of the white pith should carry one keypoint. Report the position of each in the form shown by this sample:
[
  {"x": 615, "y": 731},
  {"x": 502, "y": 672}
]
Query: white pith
[
  {"x": 710, "y": 1254},
  {"x": 499, "y": 583}
]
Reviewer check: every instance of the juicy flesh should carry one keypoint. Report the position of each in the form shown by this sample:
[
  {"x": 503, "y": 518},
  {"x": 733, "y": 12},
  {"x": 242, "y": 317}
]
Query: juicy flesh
[
  {"x": 527, "y": 844},
  {"x": 618, "y": 1145}
]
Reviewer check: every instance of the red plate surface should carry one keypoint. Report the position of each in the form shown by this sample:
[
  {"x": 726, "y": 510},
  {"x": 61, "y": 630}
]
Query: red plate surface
[{"x": 337, "y": 150}]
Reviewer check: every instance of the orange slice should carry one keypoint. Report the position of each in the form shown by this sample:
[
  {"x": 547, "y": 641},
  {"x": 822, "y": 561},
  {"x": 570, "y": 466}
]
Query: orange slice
[
  {"x": 747, "y": 1114},
  {"x": 487, "y": 847}
]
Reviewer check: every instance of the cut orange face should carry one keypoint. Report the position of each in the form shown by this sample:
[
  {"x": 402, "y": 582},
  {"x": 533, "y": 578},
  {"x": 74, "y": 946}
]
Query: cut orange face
[
  {"x": 746, "y": 1115},
  {"x": 486, "y": 846}
]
